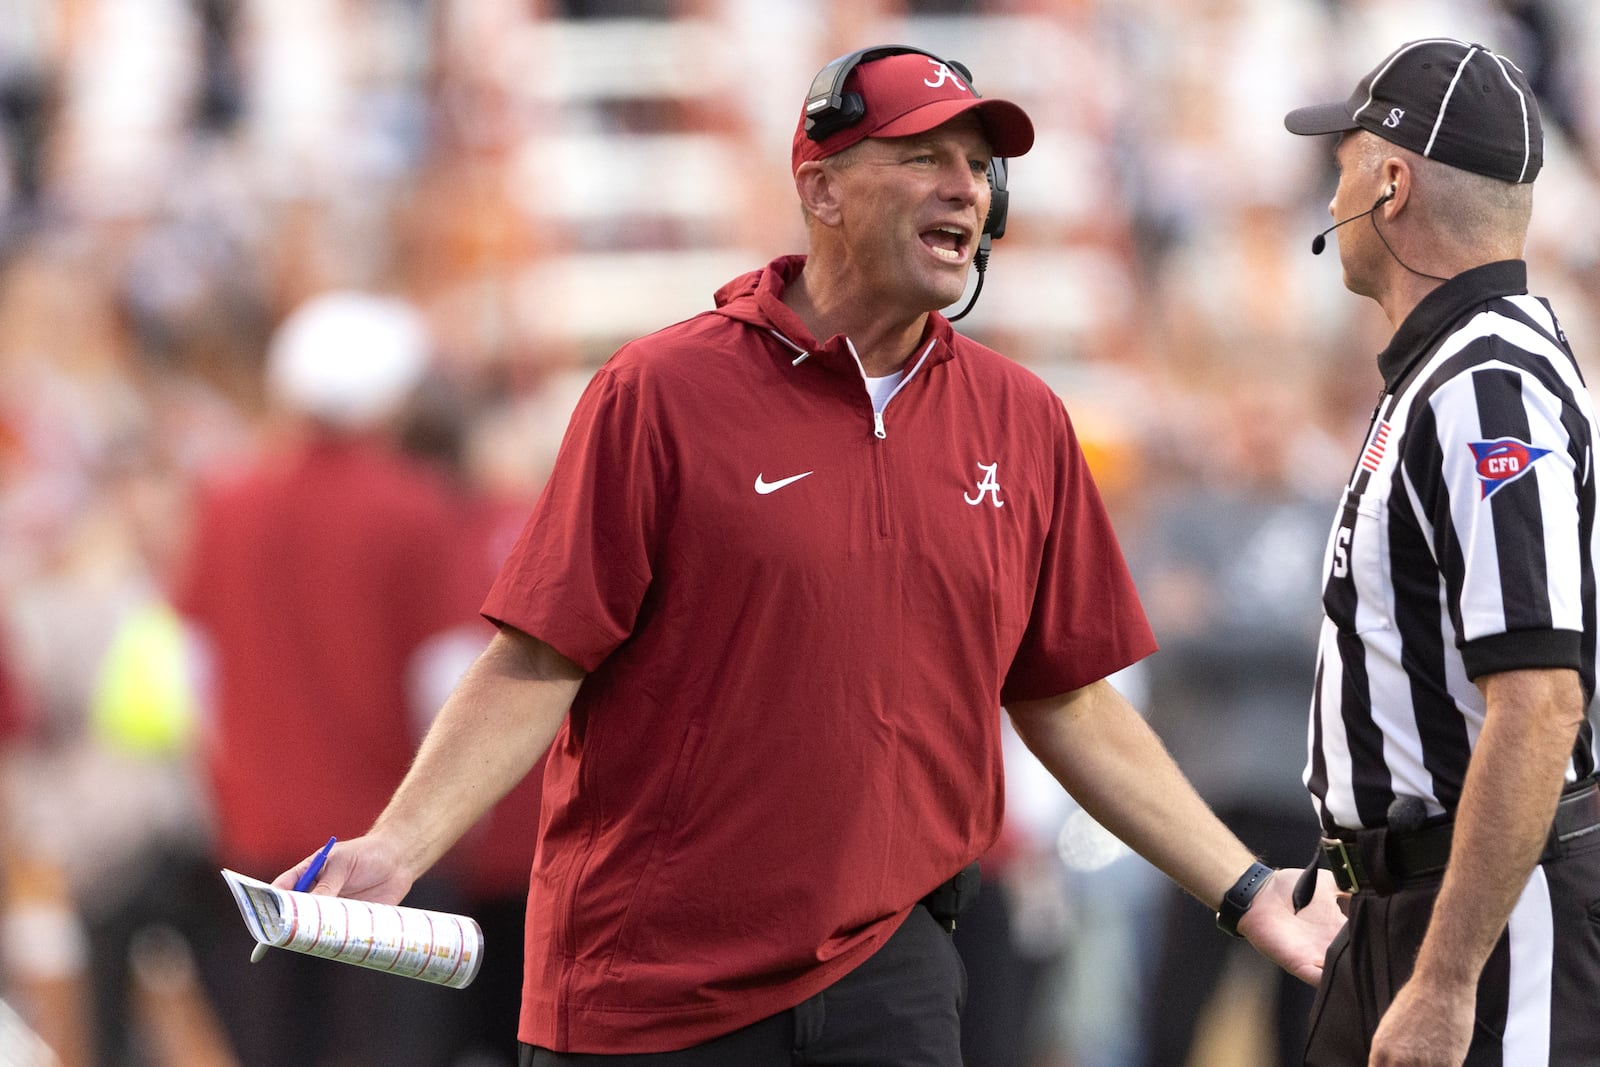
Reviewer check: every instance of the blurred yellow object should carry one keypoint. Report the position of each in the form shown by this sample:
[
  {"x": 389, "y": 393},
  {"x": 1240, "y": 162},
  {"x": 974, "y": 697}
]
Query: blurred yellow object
[{"x": 144, "y": 701}]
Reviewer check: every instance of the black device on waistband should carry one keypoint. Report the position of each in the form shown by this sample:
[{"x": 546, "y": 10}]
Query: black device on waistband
[{"x": 948, "y": 902}]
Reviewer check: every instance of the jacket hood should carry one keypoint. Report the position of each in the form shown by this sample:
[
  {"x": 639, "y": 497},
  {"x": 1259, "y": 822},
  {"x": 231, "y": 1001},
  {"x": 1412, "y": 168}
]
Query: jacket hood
[{"x": 756, "y": 298}]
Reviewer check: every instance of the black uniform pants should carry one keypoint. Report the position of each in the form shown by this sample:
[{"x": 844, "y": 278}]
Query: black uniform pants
[
  {"x": 901, "y": 1008},
  {"x": 1537, "y": 994}
]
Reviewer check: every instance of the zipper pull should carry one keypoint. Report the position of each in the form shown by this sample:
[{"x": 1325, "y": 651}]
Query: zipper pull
[{"x": 877, "y": 426}]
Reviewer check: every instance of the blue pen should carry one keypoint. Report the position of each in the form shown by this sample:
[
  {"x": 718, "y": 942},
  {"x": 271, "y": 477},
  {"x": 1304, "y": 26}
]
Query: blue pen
[{"x": 302, "y": 885}]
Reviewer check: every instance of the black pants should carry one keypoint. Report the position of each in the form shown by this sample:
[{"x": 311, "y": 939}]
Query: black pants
[
  {"x": 998, "y": 1022},
  {"x": 901, "y": 1008},
  {"x": 1535, "y": 997}
]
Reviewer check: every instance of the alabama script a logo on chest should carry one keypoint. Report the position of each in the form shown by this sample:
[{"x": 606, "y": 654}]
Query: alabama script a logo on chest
[{"x": 988, "y": 487}]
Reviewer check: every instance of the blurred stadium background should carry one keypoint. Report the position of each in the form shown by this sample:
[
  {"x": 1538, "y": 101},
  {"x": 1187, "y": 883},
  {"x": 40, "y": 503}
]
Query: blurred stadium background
[{"x": 544, "y": 179}]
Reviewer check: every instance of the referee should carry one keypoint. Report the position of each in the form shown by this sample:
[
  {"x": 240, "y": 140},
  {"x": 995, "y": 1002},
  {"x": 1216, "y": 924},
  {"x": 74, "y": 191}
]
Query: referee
[{"x": 1452, "y": 742}]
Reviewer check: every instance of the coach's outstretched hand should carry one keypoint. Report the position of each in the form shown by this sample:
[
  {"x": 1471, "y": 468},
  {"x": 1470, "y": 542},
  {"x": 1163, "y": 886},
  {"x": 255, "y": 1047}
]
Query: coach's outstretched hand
[
  {"x": 1297, "y": 943},
  {"x": 366, "y": 868}
]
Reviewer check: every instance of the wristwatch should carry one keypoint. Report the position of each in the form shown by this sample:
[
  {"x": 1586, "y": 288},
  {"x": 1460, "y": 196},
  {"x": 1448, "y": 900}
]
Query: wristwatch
[{"x": 1236, "y": 901}]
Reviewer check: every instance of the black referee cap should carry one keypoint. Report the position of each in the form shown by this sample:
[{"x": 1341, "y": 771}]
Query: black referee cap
[{"x": 1448, "y": 100}]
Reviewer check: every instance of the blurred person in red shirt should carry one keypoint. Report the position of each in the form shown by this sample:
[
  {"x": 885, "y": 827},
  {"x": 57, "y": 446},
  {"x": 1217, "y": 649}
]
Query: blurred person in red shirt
[{"x": 318, "y": 578}]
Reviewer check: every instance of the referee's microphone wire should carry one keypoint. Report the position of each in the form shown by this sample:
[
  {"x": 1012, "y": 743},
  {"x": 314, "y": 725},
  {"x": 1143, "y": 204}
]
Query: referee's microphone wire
[
  {"x": 1320, "y": 241},
  {"x": 1397, "y": 259}
]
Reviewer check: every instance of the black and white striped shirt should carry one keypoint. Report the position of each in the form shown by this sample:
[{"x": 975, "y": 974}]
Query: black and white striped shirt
[{"x": 1465, "y": 545}]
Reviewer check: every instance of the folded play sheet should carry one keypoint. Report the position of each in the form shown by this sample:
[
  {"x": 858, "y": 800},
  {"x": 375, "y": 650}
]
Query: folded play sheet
[{"x": 433, "y": 946}]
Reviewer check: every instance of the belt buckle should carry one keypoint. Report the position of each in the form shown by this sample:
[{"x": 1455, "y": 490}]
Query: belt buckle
[{"x": 1343, "y": 851}]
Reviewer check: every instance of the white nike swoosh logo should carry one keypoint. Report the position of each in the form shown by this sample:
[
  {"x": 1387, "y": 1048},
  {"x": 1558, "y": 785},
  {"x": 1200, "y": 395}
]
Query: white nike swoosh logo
[{"x": 764, "y": 487}]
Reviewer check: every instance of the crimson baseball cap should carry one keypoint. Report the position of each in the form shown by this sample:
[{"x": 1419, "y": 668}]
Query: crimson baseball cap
[
  {"x": 909, "y": 93},
  {"x": 1448, "y": 100}
]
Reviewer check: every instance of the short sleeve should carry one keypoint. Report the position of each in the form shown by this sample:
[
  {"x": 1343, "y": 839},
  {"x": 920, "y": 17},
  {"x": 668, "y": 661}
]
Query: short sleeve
[
  {"x": 1087, "y": 622},
  {"x": 578, "y": 574},
  {"x": 1505, "y": 510}
]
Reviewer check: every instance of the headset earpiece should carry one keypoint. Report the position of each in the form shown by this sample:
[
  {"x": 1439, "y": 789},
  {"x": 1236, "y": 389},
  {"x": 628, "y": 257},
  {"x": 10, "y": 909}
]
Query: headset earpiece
[
  {"x": 829, "y": 108},
  {"x": 994, "y": 224}
]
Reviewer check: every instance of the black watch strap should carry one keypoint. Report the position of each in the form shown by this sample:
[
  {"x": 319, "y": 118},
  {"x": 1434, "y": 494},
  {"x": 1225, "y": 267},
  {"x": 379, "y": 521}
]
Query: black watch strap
[{"x": 1236, "y": 901}]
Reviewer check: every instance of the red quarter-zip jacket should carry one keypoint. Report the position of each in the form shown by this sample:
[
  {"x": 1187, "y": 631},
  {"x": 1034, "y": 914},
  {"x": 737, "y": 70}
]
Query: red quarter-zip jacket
[{"x": 800, "y": 623}]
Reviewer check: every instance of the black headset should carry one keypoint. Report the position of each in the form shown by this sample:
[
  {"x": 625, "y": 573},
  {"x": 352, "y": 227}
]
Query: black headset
[{"x": 830, "y": 109}]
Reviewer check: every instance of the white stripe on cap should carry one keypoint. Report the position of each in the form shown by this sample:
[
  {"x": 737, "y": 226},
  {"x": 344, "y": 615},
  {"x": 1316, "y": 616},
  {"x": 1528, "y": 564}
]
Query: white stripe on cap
[
  {"x": 1444, "y": 104},
  {"x": 1372, "y": 86},
  {"x": 1527, "y": 134}
]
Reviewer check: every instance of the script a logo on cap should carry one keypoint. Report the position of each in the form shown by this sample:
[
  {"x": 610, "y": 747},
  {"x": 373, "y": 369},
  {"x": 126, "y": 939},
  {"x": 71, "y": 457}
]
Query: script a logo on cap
[
  {"x": 1395, "y": 115},
  {"x": 1503, "y": 461},
  {"x": 942, "y": 74}
]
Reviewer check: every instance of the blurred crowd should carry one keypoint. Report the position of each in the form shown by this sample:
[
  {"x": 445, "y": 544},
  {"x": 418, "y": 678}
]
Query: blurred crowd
[{"x": 528, "y": 183}]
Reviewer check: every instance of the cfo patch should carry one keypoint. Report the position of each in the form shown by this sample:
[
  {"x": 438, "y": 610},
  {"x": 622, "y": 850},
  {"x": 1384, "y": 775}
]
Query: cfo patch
[{"x": 1502, "y": 461}]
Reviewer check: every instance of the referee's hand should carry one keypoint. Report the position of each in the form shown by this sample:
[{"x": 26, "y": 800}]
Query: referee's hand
[
  {"x": 1426, "y": 1027},
  {"x": 1296, "y": 942}
]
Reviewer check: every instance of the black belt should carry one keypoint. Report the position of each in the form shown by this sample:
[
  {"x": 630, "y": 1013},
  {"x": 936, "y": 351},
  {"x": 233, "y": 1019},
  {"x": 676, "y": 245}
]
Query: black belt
[{"x": 1382, "y": 859}]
